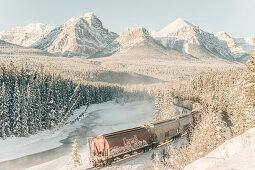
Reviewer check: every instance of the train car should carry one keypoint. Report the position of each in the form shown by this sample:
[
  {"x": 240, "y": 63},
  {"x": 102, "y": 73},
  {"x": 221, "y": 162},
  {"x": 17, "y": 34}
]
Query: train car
[
  {"x": 165, "y": 130},
  {"x": 185, "y": 122},
  {"x": 105, "y": 148}
]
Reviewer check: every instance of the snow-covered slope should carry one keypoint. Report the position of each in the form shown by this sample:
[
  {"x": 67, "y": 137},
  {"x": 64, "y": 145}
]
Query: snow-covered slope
[
  {"x": 7, "y": 48},
  {"x": 236, "y": 153},
  {"x": 189, "y": 39},
  {"x": 130, "y": 38},
  {"x": 81, "y": 36},
  {"x": 174, "y": 27},
  {"x": 27, "y": 35},
  {"x": 240, "y": 47}
]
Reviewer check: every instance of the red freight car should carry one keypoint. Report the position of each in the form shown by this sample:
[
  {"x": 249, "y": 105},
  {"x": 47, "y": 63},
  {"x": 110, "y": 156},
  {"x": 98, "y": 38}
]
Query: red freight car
[{"x": 104, "y": 148}]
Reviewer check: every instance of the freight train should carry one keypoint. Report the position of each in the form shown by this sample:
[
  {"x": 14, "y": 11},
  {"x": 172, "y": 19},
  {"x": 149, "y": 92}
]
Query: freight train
[{"x": 104, "y": 149}]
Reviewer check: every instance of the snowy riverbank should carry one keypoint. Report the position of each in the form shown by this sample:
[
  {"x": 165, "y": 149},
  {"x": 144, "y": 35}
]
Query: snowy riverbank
[
  {"x": 16, "y": 147},
  {"x": 99, "y": 118}
]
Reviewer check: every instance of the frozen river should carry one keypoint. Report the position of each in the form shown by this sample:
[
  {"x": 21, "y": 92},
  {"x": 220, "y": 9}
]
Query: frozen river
[{"x": 51, "y": 150}]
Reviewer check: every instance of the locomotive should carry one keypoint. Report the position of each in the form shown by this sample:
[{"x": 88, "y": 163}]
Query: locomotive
[{"x": 104, "y": 149}]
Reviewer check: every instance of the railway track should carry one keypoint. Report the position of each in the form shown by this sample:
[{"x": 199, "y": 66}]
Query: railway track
[{"x": 137, "y": 153}]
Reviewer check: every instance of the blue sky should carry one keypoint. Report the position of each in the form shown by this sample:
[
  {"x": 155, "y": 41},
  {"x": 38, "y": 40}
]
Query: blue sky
[{"x": 236, "y": 17}]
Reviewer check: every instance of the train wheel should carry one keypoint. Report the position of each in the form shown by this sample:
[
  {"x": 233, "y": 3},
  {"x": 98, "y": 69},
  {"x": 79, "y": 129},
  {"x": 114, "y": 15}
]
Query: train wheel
[
  {"x": 109, "y": 162},
  {"x": 94, "y": 163}
]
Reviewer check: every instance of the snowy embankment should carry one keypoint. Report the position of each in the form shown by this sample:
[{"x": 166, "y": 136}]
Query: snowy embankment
[
  {"x": 236, "y": 153},
  {"x": 16, "y": 147}
]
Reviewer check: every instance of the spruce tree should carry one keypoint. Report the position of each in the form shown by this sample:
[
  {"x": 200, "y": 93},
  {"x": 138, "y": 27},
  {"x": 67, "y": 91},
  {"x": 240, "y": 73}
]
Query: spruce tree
[
  {"x": 75, "y": 160},
  {"x": 24, "y": 113},
  {"x": 17, "y": 111},
  {"x": 6, "y": 131}
]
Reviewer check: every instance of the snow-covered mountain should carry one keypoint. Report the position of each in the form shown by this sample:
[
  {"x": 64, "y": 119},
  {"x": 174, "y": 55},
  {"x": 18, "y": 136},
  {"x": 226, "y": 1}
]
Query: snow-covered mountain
[
  {"x": 130, "y": 38},
  {"x": 81, "y": 36},
  {"x": 85, "y": 36},
  {"x": 27, "y": 35},
  {"x": 189, "y": 39},
  {"x": 240, "y": 47}
]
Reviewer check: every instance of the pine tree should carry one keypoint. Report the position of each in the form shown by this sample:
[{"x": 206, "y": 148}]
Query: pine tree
[
  {"x": 169, "y": 111},
  {"x": 75, "y": 160},
  {"x": 6, "y": 131},
  {"x": 24, "y": 113},
  {"x": 1, "y": 112},
  {"x": 158, "y": 114},
  {"x": 17, "y": 111},
  {"x": 36, "y": 104}
]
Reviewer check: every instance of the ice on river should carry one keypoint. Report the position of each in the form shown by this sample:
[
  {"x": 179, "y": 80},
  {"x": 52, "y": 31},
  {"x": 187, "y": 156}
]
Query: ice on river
[{"x": 100, "y": 118}]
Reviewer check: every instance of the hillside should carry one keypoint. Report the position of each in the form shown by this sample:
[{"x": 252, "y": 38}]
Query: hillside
[
  {"x": 236, "y": 153},
  {"x": 12, "y": 49}
]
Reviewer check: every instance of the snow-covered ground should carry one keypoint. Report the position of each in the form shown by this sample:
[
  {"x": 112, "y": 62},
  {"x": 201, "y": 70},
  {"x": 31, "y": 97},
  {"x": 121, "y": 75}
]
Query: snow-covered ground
[
  {"x": 16, "y": 147},
  {"x": 237, "y": 153},
  {"x": 99, "y": 118}
]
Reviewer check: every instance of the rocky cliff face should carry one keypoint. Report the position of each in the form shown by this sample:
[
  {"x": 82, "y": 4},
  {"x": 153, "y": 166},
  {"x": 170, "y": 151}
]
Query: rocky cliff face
[{"x": 82, "y": 36}]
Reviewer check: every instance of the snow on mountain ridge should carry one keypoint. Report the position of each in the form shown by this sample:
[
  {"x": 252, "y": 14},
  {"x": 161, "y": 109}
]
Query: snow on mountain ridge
[
  {"x": 240, "y": 47},
  {"x": 27, "y": 35},
  {"x": 128, "y": 39},
  {"x": 174, "y": 27},
  {"x": 80, "y": 36},
  {"x": 189, "y": 39}
]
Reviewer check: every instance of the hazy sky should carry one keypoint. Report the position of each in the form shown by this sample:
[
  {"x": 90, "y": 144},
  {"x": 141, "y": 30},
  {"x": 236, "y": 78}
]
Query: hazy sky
[{"x": 236, "y": 17}]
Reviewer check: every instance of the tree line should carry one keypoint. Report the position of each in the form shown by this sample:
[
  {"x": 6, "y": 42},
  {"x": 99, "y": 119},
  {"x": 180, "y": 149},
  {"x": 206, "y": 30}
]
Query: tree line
[{"x": 34, "y": 100}]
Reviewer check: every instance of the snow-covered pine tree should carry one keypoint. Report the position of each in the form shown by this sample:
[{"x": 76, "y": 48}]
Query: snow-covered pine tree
[
  {"x": 24, "y": 112},
  {"x": 158, "y": 105},
  {"x": 17, "y": 111},
  {"x": 75, "y": 160},
  {"x": 31, "y": 116},
  {"x": 1, "y": 115},
  {"x": 36, "y": 106},
  {"x": 52, "y": 111},
  {"x": 168, "y": 108},
  {"x": 6, "y": 131}
]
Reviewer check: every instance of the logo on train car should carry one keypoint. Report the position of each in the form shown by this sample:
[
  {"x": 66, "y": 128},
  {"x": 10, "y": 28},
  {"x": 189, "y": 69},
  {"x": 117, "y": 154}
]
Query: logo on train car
[
  {"x": 130, "y": 141},
  {"x": 99, "y": 140},
  {"x": 129, "y": 144}
]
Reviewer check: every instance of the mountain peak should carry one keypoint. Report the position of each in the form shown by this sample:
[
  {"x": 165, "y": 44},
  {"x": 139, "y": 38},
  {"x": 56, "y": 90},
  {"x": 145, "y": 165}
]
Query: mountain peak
[
  {"x": 174, "y": 26},
  {"x": 222, "y": 34},
  {"x": 90, "y": 18},
  {"x": 89, "y": 14},
  {"x": 135, "y": 33},
  {"x": 80, "y": 36}
]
